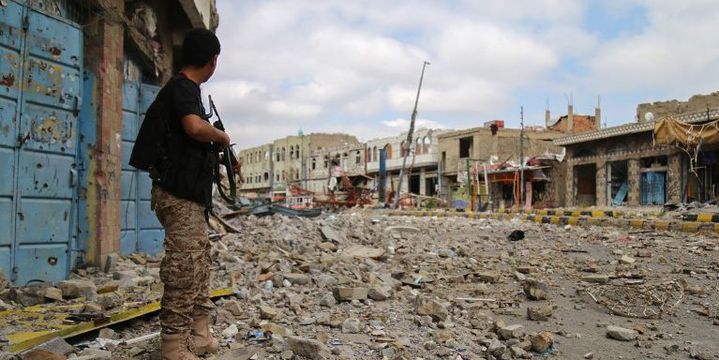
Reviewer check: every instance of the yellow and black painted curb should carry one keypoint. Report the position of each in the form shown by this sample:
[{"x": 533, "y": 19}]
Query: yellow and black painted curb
[
  {"x": 701, "y": 217},
  {"x": 645, "y": 224},
  {"x": 48, "y": 321}
]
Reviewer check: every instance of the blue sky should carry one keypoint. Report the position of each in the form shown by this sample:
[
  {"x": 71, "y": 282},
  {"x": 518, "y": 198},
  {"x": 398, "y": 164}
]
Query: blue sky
[{"x": 353, "y": 66}]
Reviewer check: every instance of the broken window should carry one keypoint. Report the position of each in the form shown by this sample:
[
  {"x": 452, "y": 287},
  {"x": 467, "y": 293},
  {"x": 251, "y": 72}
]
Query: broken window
[
  {"x": 465, "y": 147},
  {"x": 314, "y": 163},
  {"x": 358, "y": 157},
  {"x": 617, "y": 182}
]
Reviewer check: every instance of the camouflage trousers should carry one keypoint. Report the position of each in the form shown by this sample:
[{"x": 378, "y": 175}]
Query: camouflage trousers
[{"x": 185, "y": 268}]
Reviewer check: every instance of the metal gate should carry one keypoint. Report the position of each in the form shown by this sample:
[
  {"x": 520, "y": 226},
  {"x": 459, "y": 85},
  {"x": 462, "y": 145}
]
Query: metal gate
[
  {"x": 40, "y": 67},
  {"x": 140, "y": 230},
  {"x": 653, "y": 188}
]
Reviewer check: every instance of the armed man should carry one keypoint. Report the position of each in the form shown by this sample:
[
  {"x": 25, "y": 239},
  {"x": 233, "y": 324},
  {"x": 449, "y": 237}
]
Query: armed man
[{"x": 175, "y": 145}]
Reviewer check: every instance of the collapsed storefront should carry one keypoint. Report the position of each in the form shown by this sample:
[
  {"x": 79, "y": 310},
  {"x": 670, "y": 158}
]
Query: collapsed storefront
[
  {"x": 698, "y": 141},
  {"x": 649, "y": 163}
]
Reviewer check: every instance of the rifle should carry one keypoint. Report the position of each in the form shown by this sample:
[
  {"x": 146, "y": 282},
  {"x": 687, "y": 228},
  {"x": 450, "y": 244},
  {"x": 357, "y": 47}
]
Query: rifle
[{"x": 224, "y": 156}]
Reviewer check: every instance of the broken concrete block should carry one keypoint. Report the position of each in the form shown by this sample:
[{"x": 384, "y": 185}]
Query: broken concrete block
[
  {"x": 433, "y": 308},
  {"x": 351, "y": 326},
  {"x": 76, "y": 288},
  {"x": 535, "y": 289},
  {"x": 267, "y": 312},
  {"x": 332, "y": 235},
  {"x": 489, "y": 277},
  {"x": 539, "y": 313},
  {"x": 40, "y": 354},
  {"x": 620, "y": 333},
  {"x": 626, "y": 259},
  {"x": 297, "y": 279},
  {"x": 56, "y": 346},
  {"x": 379, "y": 293},
  {"x": 54, "y": 294},
  {"x": 349, "y": 294},
  {"x": 511, "y": 332},
  {"x": 309, "y": 348},
  {"x": 324, "y": 280},
  {"x": 328, "y": 300},
  {"x": 363, "y": 252},
  {"x": 233, "y": 307}
]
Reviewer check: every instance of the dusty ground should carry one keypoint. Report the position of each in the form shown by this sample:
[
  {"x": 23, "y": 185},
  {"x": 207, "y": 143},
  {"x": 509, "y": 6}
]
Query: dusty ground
[{"x": 455, "y": 287}]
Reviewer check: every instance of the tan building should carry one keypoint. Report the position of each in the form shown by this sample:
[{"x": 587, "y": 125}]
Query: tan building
[
  {"x": 284, "y": 161},
  {"x": 475, "y": 147}
]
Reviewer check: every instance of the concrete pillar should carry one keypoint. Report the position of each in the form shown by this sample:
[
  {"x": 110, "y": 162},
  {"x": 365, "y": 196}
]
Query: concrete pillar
[
  {"x": 674, "y": 178},
  {"x": 103, "y": 39},
  {"x": 601, "y": 183},
  {"x": 422, "y": 182},
  {"x": 570, "y": 118},
  {"x": 569, "y": 200},
  {"x": 634, "y": 182}
]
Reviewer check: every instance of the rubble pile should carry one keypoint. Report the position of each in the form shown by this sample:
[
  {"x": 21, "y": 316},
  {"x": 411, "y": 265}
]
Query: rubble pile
[{"x": 363, "y": 285}]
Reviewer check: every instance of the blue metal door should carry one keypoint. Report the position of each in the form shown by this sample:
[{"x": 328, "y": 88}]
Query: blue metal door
[
  {"x": 653, "y": 189},
  {"x": 140, "y": 230},
  {"x": 39, "y": 102}
]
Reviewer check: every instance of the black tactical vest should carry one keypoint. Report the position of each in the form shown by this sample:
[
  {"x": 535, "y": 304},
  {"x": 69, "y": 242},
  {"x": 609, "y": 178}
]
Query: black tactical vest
[{"x": 175, "y": 161}]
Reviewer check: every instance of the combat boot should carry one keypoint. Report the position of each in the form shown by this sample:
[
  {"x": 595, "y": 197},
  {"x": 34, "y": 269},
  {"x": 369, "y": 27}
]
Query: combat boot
[
  {"x": 177, "y": 347},
  {"x": 201, "y": 337}
]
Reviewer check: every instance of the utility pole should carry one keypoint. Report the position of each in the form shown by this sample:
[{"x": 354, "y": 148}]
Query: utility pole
[
  {"x": 409, "y": 138},
  {"x": 521, "y": 157}
]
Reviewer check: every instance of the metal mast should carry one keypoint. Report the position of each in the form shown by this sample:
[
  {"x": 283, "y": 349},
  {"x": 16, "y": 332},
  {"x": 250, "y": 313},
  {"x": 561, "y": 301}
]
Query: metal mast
[
  {"x": 409, "y": 138},
  {"x": 521, "y": 157}
]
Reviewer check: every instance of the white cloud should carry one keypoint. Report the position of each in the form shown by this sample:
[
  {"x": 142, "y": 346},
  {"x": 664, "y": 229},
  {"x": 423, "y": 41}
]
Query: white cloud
[
  {"x": 348, "y": 66},
  {"x": 401, "y": 124}
]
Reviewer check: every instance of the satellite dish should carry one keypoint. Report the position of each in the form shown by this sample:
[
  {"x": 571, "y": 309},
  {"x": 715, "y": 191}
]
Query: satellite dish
[{"x": 649, "y": 116}]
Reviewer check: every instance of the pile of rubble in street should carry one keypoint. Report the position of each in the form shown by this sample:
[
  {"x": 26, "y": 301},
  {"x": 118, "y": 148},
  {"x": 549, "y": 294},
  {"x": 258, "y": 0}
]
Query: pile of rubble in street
[{"x": 363, "y": 285}]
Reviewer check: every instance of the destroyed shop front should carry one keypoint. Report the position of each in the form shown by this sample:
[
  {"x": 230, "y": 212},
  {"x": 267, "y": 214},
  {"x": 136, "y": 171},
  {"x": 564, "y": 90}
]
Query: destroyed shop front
[{"x": 642, "y": 164}]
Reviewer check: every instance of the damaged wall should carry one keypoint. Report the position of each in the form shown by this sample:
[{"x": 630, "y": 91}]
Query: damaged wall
[{"x": 631, "y": 148}]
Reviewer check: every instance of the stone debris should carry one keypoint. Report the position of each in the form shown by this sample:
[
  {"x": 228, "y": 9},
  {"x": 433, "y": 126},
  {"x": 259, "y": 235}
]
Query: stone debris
[
  {"x": 620, "y": 333},
  {"x": 362, "y": 285}
]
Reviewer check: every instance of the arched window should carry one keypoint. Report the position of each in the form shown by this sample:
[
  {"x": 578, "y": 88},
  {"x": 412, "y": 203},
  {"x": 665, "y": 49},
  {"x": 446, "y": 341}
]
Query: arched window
[
  {"x": 418, "y": 148},
  {"x": 388, "y": 151},
  {"x": 375, "y": 155},
  {"x": 283, "y": 153},
  {"x": 403, "y": 149}
]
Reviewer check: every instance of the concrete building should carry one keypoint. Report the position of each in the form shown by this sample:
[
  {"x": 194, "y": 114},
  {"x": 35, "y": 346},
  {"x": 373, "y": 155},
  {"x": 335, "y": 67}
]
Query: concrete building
[
  {"x": 328, "y": 163},
  {"x": 622, "y": 165},
  {"x": 76, "y": 77},
  {"x": 421, "y": 176},
  {"x": 285, "y": 161},
  {"x": 470, "y": 148}
]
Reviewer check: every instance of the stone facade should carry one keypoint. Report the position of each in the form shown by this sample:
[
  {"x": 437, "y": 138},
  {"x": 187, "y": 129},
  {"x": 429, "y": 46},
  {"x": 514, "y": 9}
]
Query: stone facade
[
  {"x": 286, "y": 160},
  {"x": 634, "y": 149}
]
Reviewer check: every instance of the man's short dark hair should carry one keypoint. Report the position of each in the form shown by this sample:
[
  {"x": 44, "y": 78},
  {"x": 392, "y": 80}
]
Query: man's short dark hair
[{"x": 199, "y": 47}]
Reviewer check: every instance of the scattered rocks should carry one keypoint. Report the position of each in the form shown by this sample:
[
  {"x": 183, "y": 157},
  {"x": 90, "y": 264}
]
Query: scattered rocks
[
  {"x": 297, "y": 279},
  {"x": 268, "y": 313}
]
